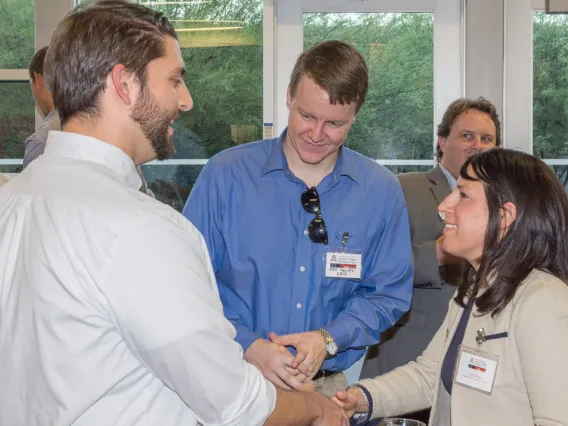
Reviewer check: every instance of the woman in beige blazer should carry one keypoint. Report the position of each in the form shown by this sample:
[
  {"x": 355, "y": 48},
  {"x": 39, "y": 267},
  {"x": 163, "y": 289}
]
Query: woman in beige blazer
[{"x": 500, "y": 357}]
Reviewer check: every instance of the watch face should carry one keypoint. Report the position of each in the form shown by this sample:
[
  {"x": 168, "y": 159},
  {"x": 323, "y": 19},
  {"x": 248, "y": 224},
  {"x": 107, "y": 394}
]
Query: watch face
[{"x": 331, "y": 348}]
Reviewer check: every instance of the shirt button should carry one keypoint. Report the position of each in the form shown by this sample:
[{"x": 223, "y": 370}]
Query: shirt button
[
  {"x": 302, "y": 269},
  {"x": 306, "y": 232},
  {"x": 299, "y": 305}
]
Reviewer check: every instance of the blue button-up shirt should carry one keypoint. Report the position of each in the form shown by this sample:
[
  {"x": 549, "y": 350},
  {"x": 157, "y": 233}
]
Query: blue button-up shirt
[{"x": 271, "y": 277}]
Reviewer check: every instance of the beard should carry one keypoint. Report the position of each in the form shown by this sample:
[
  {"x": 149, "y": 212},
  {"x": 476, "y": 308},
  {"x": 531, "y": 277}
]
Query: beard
[{"x": 154, "y": 122}]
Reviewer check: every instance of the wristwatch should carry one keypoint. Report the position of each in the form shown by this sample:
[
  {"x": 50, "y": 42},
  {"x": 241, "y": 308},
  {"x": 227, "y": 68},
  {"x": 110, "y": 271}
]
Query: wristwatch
[{"x": 330, "y": 345}]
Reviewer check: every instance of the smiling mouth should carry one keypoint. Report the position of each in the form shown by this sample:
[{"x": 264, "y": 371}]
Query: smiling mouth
[{"x": 450, "y": 226}]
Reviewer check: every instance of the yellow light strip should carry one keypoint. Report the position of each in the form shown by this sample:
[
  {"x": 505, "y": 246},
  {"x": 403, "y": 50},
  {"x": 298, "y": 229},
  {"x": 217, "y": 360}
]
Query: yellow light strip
[
  {"x": 208, "y": 21},
  {"x": 157, "y": 3},
  {"x": 207, "y": 29}
]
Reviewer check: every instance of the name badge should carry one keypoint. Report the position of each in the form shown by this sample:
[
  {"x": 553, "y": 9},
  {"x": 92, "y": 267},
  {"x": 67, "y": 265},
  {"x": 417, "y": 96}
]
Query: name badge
[
  {"x": 476, "y": 369},
  {"x": 343, "y": 264}
]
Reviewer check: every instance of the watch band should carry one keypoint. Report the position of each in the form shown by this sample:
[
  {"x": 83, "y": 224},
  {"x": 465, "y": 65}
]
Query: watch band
[
  {"x": 325, "y": 334},
  {"x": 363, "y": 418}
]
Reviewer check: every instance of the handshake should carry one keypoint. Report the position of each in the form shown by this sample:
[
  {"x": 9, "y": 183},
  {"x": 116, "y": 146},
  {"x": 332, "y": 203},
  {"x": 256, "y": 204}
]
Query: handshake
[
  {"x": 295, "y": 373},
  {"x": 338, "y": 409}
]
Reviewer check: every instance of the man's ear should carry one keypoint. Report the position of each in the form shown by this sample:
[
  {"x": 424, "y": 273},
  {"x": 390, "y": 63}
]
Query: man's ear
[
  {"x": 442, "y": 142},
  {"x": 288, "y": 98},
  {"x": 508, "y": 215},
  {"x": 39, "y": 81},
  {"x": 123, "y": 83}
]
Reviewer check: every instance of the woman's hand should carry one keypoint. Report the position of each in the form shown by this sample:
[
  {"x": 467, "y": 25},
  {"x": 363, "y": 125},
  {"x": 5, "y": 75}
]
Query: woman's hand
[{"x": 352, "y": 401}]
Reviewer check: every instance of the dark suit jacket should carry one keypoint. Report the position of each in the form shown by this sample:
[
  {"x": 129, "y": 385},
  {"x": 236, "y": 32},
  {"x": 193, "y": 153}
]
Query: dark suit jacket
[{"x": 433, "y": 286}]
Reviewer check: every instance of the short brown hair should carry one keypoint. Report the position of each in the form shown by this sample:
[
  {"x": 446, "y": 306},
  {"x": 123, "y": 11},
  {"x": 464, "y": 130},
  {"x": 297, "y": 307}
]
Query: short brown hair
[
  {"x": 91, "y": 40},
  {"x": 336, "y": 67},
  {"x": 457, "y": 108},
  {"x": 36, "y": 63}
]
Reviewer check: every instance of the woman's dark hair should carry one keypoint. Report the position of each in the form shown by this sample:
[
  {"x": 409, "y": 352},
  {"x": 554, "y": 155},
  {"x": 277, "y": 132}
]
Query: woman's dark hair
[{"x": 535, "y": 240}]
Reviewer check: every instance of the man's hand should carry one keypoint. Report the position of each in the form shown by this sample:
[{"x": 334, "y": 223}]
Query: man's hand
[
  {"x": 445, "y": 258},
  {"x": 331, "y": 413},
  {"x": 275, "y": 363},
  {"x": 310, "y": 350},
  {"x": 352, "y": 401}
]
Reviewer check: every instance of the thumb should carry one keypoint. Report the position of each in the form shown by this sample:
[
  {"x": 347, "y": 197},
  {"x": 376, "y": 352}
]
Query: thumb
[{"x": 286, "y": 340}]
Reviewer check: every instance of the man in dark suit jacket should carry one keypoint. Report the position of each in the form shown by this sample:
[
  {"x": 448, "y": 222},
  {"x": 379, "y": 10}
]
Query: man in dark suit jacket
[{"x": 468, "y": 126}]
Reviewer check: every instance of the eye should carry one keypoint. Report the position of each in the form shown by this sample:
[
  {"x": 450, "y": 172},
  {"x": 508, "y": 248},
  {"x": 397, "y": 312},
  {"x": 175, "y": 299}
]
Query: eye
[
  {"x": 334, "y": 124},
  {"x": 487, "y": 139},
  {"x": 463, "y": 195},
  {"x": 468, "y": 136}
]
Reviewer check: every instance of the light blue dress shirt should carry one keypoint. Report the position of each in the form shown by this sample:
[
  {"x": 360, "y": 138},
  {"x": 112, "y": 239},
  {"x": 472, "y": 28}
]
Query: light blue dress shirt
[
  {"x": 451, "y": 180},
  {"x": 35, "y": 144},
  {"x": 271, "y": 277}
]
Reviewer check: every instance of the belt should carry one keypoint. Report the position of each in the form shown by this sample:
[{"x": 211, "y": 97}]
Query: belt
[{"x": 324, "y": 373}]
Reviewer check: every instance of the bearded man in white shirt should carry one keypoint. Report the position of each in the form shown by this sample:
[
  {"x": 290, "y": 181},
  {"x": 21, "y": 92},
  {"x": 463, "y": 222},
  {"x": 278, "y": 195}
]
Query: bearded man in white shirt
[{"x": 109, "y": 310}]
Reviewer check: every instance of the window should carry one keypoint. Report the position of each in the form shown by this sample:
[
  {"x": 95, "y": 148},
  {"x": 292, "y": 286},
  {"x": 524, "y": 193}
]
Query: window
[
  {"x": 397, "y": 119},
  {"x": 16, "y": 102},
  {"x": 550, "y": 90},
  {"x": 221, "y": 43}
]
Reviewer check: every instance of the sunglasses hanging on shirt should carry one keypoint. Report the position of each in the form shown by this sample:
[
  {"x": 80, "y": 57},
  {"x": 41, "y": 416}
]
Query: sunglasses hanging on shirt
[{"x": 317, "y": 230}]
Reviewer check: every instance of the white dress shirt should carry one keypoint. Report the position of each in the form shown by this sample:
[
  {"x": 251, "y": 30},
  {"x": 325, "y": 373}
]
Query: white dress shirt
[{"x": 109, "y": 310}]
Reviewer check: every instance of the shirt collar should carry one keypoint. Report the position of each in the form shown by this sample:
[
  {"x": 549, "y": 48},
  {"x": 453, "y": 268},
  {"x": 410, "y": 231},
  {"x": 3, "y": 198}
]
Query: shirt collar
[
  {"x": 451, "y": 180},
  {"x": 86, "y": 148},
  {"x": 51, "y": 114},
  {"x": 345, "y": 165}
]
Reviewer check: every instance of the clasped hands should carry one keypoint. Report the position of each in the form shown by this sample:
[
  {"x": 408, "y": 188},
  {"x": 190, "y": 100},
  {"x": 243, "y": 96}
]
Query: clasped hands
[{"x": 282, "y": 368}]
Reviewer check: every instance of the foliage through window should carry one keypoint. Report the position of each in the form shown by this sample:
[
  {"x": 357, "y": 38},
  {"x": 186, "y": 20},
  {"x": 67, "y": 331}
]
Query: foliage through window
[
  {"x": 17, "y": 112},
  {"x": 397, "y": 120},
  {"x": 550, "y": 89}
]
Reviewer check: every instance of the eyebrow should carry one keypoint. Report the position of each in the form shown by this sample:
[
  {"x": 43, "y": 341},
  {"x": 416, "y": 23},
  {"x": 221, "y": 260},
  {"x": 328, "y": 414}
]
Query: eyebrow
[
  {"x": 339, "y": 121},
  {"x": 179, "y": 71}
]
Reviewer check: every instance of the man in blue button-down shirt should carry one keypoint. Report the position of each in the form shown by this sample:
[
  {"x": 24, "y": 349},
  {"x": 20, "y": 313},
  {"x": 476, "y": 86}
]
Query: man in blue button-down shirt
[{"x": 278, "y": 248}]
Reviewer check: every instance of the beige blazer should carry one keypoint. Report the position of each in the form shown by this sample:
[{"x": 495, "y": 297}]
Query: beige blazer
[{"x": 531, "y": 384}]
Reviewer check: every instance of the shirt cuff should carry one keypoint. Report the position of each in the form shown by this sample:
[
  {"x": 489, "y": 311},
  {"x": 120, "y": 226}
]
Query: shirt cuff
[
  {"x": 245, "y": 337},
  {"x": 342, "y": 330}
]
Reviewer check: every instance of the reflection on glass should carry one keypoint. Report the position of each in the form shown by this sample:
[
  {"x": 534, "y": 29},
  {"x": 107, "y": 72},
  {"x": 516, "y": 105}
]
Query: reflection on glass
[
  {"x": 17, "y": 118},
  {"x": 408, "y": 169},
  {"x": 221, "y": 43},
  {"x": 17, "y": 33},
  {"x": 550, "y": 85},
  {"x": 171, "y": 184},
  {"x": 397, "y": 120}
]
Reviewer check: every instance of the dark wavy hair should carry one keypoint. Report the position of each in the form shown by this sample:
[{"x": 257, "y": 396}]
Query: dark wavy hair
[{"x": 535, "y": 240}]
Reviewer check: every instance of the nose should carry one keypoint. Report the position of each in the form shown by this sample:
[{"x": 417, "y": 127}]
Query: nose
[
  {"x": 447, "y": 205},
  {"x": 317, "y": 133},
  {"x": 185, "y": 102},
  {"x": 477, "y": 144}
]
